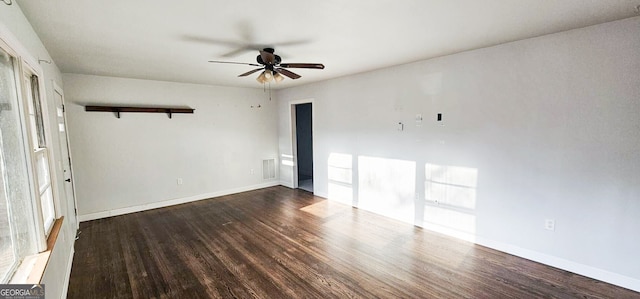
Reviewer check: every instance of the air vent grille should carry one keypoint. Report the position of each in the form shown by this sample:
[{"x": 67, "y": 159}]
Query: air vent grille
[{"x": 268, "y": 169}]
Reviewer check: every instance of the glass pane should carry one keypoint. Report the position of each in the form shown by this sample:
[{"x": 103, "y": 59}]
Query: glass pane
[
  {"x": 7, "y": 252},
  {"x": 37, "y": 109},
  {"x": 42, "y": 168},
  {"x": 48, "y": 212},
  {"x": 30, "y": 108},
  {"x": 15, "y": 196},
  {"x": 34, "y": 137}
]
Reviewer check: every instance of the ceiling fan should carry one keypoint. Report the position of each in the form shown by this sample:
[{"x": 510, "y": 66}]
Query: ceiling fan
[{"x": 272, "y": 67}]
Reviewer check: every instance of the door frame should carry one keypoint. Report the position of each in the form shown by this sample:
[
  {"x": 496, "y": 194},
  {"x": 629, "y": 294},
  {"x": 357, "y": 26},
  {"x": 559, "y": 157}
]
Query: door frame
[
  {"x": 57, "y": 89},
  {"x": 294, "y": 139}
]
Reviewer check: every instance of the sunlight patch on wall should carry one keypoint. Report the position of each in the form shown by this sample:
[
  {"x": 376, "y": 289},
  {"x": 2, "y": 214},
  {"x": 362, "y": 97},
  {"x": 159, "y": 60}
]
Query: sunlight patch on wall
[
  {"x": 453, "y": 223},
  {"x": 451, "y": 185},
  {"x": 340, "y": 178},
  {"x": 450, "y": 200},
  {"x": 387, "y": 187},
  {"x": 287, "y": 160}
]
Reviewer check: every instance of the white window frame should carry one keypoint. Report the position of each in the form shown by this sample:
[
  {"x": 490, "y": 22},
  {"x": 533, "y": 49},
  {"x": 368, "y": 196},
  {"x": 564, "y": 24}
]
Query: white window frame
[{"x": 47, "y": 152}]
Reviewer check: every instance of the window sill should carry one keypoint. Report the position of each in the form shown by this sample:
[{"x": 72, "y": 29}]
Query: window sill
[{"x": 32, "y": 267}]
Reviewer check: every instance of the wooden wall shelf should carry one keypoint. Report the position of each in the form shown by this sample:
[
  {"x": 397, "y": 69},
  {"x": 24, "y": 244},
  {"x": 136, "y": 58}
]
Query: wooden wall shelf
[{"x": 117, "y": 109}]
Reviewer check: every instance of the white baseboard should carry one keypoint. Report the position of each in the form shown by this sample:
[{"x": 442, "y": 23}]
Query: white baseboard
[
  {"x": 65, "y": 287},
  {"x": 286, "y": 184},
  {"x": 320, "y": 194},
  {"x": 171, "y": 202},
  {"x": 560, "y": 263}
]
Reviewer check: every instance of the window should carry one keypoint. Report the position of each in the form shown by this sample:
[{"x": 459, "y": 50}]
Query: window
[
  {"x": 27, "y": 188},
  {"x": 40, "y": 151},
  {"x": 18, "y": 235}
]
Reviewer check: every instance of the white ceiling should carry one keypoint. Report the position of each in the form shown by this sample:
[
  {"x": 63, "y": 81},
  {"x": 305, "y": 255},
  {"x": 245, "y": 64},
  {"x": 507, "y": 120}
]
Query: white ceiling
[{"x": 172, "y": 40}]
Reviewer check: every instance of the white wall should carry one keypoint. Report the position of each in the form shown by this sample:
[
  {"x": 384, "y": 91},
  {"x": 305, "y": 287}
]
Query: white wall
[
  {"x": 16, "y": 28},
  {"x": 544, "y": 128},
  {"x": 133, "y": 163}
]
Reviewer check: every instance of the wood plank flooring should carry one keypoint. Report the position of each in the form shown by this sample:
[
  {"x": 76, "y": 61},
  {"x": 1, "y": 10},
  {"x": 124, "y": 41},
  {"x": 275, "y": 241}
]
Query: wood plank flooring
[{"x": 283, "y": 243}]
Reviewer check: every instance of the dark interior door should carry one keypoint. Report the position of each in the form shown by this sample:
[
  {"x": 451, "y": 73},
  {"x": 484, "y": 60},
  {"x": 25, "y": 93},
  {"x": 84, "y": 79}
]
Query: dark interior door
[{"x": 304, "y": 144}]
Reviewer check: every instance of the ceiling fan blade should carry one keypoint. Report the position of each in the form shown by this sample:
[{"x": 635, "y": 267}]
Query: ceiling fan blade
[
  {"x": 214, "y": 41},
  {"x": 237, "y": 51},
  {"x": 303, "y": 65},
  {"x": 250, "y": 72},
  {"x": 294, "y": 42},
  {"x": 288, "y": 73},
  {"x": 231, "y": 62},
  {"x": 267, "y": 57}
]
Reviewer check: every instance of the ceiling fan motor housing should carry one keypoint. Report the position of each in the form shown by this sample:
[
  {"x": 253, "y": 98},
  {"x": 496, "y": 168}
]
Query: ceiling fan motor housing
[{"x": 277, "y": 60}]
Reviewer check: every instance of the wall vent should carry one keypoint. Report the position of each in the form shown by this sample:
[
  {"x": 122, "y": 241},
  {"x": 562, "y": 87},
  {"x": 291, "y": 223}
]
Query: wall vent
[{"x": 268, "y": 169}]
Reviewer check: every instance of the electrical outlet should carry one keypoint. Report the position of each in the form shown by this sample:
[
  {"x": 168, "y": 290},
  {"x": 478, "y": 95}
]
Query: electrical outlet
[
  {"x": 252, "y": 171},
  {"x": 179, "y": 181},
  {"x": 550, "y": 224}
]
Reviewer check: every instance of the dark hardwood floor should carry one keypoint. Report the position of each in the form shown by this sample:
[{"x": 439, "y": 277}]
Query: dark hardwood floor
[{"x": 283, "y": 243}]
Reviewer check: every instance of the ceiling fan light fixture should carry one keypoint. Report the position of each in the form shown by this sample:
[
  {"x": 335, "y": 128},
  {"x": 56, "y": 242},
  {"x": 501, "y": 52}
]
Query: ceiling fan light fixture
[
  {"x": 262, "y": 78},
  {"x": 268, "y": 75},
  {"x": 277, "y": 77}
]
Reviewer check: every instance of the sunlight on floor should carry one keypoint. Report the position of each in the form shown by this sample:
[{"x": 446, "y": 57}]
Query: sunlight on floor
[{"x": 326, "y": 208}]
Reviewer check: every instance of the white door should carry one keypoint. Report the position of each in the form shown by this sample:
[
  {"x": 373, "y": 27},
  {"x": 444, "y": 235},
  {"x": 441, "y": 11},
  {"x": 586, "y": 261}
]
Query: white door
[{"x": 65, "y": 157}]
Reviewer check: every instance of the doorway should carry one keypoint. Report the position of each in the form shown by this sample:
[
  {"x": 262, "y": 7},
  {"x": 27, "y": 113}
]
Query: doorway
[
  {"x": 69, "y": 190},
  {"x": 304, "y": 145}
]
